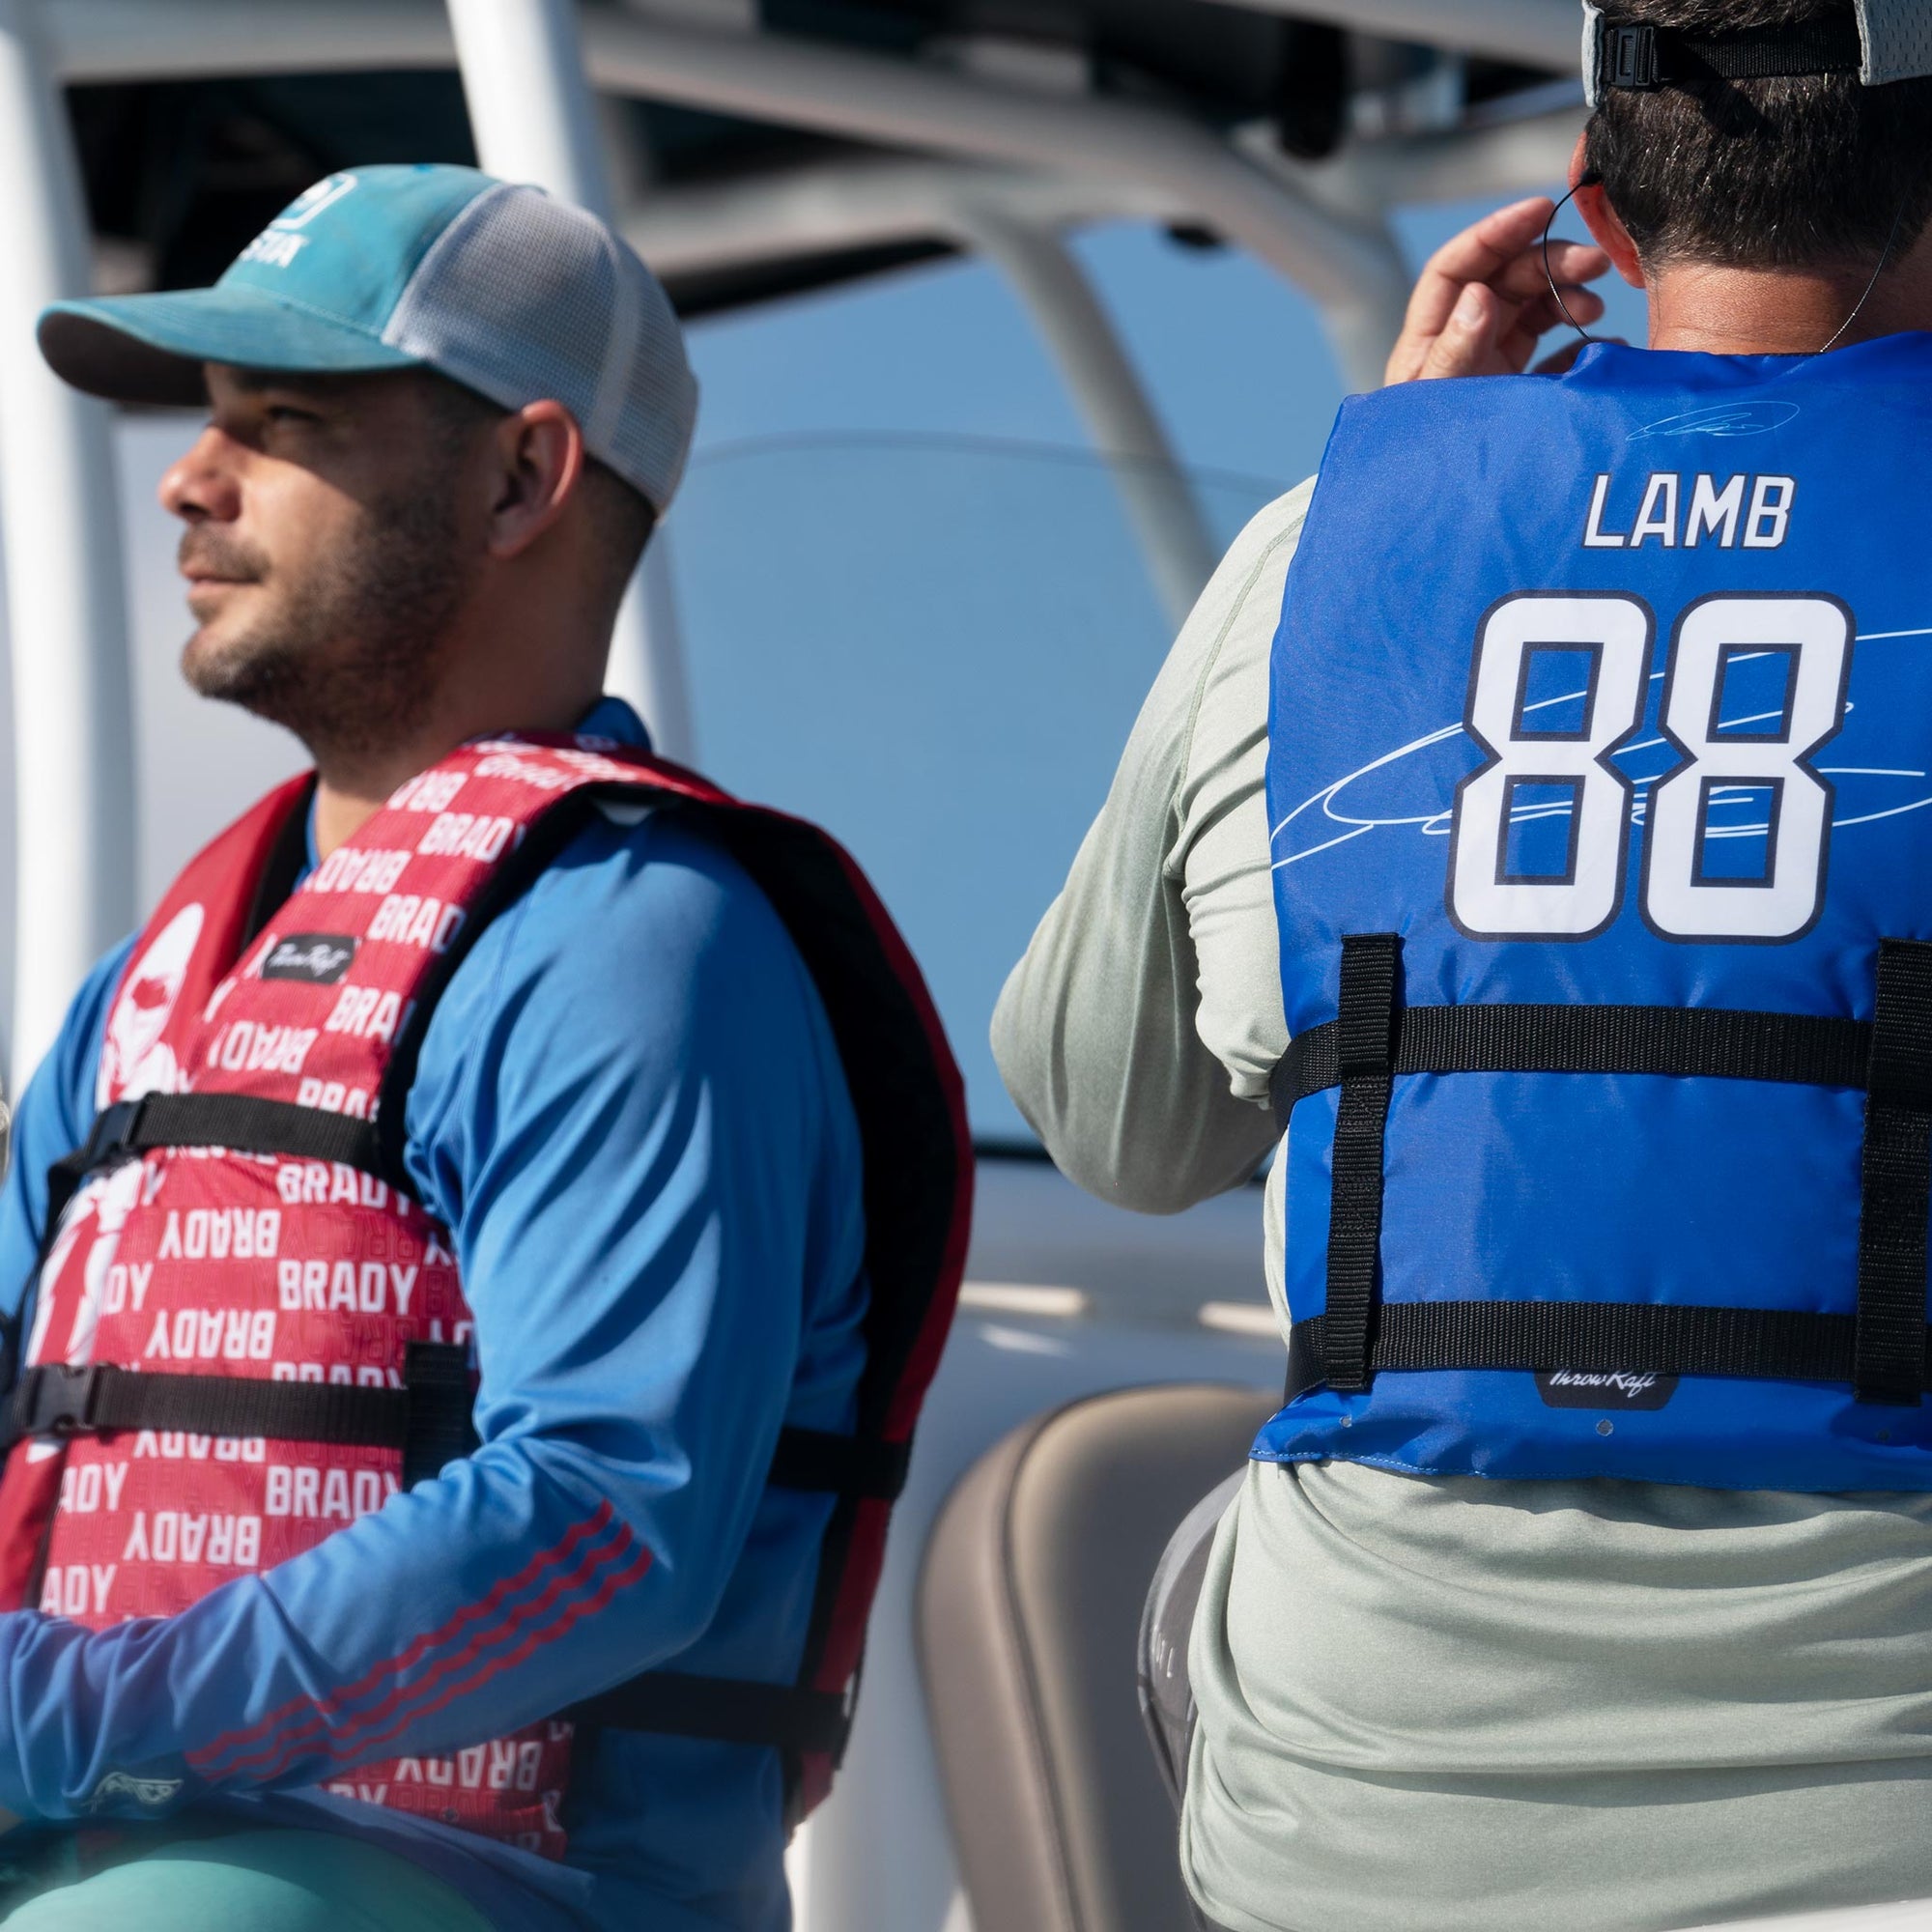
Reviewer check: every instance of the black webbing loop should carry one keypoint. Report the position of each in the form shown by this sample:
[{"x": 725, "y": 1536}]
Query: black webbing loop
[
  {"x": 846, "y": 1465},
  {"x": 1365, "y": 1050},
  {"x": 1601, "y": 1336},
  {"x": 1896, "y": 1177},
  {"x": 727, "y": 1709},
  {"x": 1703, "y": 1042}
]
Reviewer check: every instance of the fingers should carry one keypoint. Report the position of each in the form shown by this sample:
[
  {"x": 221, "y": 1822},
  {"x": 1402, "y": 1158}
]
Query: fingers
[
  {"x": 1524, "y": 275},
  {"x": 1503, "y": 256},
  {"x": 1474, "y": 255},
  {"x": 1468, "y": 343},
  {"x": 1481, "y": 251},
  {"x": 1486, "y": 335},
  {"x": 1534, "y": 320}
]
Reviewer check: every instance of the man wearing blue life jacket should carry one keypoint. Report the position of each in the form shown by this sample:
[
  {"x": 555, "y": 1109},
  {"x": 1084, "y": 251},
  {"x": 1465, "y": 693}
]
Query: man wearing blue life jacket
[
  {"x": 1543, "y": 852},
  {"x": 471, "y": 1264}
]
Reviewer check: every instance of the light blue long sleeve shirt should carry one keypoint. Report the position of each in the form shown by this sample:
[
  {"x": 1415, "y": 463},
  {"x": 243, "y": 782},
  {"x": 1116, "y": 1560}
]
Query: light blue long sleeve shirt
[{"x": 631, "y": 1114}]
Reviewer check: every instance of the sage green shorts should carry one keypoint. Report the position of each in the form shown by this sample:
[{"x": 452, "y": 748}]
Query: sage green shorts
[{"x": 252, "y": 1882}]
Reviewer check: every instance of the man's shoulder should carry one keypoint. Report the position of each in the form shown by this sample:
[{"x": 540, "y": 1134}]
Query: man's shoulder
[
  {"x": 1276, "y": 523},
  {"x": 659, "y": 861},
  {"x": 640, "y": 970},
  {"x": 1225, "y": 647},
  {"x": 644, "y": 924}
]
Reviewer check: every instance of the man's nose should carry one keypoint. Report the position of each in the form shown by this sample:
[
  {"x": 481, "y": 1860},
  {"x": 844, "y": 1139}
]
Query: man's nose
[{"x": 204, "y": 486}]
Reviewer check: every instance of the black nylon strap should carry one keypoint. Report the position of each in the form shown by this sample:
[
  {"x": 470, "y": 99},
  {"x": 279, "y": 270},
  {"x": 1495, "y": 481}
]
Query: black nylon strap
[
  {"x": 846, "y": 1465},
  {"x": 239, "y": 1121},
  {"x": 252, "y": 1125},
  {"x": 1365, "y": 1048},
  {"x": 56, "y": 1400},
  {"x": 287, "y": 861},
  {"x": 1896, "y": 1177},
  {"x": 1604, "y": 1336},
  {"x": 1639, "y": 60},
  {"x": 428, "y": 1418},
  {"x": 727, "y": 1709},
  {"x": 441, "y": 1425},
  {"x": 1809, "y": 1049}
]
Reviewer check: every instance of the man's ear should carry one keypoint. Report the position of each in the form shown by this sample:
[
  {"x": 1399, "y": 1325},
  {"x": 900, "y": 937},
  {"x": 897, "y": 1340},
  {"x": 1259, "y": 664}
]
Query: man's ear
[
  {"x": 1607, "y": 228},
  {"x": 539, "y": 464}
]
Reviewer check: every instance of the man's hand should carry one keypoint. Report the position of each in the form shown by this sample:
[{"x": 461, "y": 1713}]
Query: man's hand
[{"x": 1481, "y": 301}]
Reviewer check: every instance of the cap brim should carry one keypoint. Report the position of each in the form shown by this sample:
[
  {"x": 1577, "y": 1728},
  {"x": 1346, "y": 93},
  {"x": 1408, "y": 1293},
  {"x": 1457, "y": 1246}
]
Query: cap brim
[{"x": 150, "y": 349}]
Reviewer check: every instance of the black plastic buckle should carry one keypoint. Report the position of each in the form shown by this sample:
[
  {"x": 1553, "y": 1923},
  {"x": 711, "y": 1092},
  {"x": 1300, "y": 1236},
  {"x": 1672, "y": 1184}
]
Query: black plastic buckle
[
  {"x": 113, "y": 1132},
  {"x": 1633, "y": 60},
  {"x": 55, "y": 1399}
]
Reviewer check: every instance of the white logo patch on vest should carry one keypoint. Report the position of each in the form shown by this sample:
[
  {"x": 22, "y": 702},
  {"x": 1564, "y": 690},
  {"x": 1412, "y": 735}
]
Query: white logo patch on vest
[{"x": 320, "y": 958}]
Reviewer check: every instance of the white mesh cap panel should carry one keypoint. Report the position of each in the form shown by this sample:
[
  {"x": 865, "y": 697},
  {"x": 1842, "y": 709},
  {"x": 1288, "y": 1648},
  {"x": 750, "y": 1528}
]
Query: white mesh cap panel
[
  {"x": 1897, "y": 37},
  {"x": 1593, "y": 51},
  {"x": 522, "y": 297}
]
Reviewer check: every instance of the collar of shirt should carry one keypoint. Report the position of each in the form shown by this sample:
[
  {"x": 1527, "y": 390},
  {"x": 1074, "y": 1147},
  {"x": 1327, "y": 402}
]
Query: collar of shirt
[{"x": 609, "y": 718}]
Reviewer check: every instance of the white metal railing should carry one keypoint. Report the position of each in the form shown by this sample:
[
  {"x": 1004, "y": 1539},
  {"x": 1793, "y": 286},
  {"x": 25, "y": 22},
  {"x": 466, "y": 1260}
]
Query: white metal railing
[{"x": 73, "y": 755}]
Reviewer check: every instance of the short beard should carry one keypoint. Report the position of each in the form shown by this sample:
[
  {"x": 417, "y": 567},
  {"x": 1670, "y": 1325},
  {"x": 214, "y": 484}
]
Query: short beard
[{"x": 351, "y": 661}]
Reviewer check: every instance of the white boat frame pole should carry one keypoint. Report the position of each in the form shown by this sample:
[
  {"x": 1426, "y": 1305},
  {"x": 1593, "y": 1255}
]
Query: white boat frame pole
[
  {"x": 1107, "y": 390},
  {"x": 534, "y": 119},
  {"x": 66, "y": 618}
]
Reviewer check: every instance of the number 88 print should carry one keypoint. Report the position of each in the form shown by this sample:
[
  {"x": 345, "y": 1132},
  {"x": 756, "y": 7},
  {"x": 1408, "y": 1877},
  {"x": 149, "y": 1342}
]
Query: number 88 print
[{"x": 1605, "y": 642}]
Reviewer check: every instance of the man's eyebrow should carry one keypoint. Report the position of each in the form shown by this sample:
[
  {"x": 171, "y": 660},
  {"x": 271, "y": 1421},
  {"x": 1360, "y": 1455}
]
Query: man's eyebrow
[{"x": 254, "y": 381}]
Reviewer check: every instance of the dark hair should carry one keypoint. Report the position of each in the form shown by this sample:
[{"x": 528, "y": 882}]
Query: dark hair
[
  {"x": 1764, "y": 174},
  {"x": 622, "y": 518}
]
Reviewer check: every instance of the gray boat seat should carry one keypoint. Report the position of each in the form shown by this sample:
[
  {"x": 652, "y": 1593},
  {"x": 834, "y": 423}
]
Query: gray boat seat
[{"x": 1029, "y": 1614}]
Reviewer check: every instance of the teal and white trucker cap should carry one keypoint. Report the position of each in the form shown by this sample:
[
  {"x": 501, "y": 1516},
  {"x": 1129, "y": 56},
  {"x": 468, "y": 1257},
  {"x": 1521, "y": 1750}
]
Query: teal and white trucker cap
[
  {"x": 1891, "y": 41},
  {"x": 496, "y": 286}
]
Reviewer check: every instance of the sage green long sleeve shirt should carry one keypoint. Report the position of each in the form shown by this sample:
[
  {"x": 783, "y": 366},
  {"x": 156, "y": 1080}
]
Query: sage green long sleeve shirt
[{"x": 1446, "y": 1704}]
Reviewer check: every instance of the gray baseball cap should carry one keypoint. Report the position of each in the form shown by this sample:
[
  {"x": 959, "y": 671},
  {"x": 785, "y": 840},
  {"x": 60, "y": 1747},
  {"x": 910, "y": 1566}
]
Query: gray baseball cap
[{"x": 496, "y": 286}]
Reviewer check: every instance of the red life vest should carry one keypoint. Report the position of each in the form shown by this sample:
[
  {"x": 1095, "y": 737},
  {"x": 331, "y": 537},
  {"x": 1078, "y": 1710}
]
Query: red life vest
[{"x": 247, "y": 1333}]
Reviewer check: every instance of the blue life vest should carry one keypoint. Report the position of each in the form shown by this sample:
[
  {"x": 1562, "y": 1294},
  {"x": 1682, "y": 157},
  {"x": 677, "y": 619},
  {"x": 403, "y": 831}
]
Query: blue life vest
[{"x": 1600, "y": 736}]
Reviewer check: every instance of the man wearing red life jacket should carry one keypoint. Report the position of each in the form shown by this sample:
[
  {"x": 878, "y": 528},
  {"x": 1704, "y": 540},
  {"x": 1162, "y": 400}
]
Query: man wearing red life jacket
[{"x": 475, "y": 1258}]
